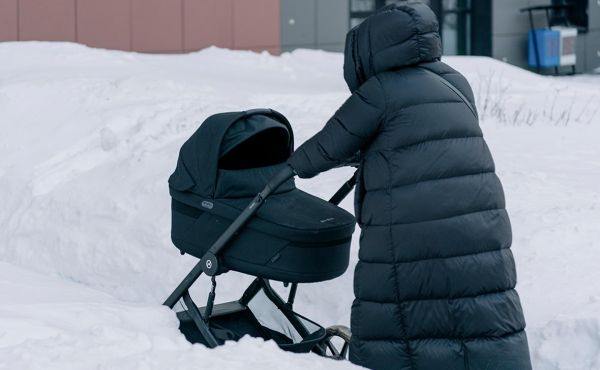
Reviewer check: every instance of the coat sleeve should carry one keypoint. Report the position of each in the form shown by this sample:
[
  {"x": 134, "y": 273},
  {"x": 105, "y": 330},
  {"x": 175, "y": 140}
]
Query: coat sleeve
[{"x": 353, "y": 125}]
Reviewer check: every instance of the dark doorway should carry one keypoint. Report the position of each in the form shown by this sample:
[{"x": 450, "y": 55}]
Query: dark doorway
[
  {"x": 465, "y": 25},
  {"x": 361, "y": 9},
  {"x": 575, "y": 14}
]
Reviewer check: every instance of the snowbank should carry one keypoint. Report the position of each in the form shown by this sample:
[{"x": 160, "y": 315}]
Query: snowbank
[
  {"x": 56, "y": 324},
  {"x": 88, "y": 138}
]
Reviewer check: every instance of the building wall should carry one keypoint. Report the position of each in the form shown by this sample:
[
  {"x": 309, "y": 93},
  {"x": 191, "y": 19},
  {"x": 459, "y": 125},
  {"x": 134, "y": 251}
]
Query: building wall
[
  {"x": 164, "y": 26},
  {"x": 592, "y": 41},
  {"x": 318, "y": 24},
  {"x": 510, "y": 27},
  {"x": 174, "y": 26},
  {"x": 509, "y": 31}
]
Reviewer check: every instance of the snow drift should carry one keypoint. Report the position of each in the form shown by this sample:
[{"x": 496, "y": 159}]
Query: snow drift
[{"x": 89, "y": 137}]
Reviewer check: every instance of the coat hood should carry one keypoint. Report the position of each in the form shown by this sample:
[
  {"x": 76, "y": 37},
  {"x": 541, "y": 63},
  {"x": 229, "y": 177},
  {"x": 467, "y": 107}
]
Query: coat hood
[{"x": 394, "y": 37}]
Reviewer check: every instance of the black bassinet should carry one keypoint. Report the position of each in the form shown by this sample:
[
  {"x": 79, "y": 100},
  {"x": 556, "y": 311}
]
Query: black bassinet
[{"x": 294, "y": 236}]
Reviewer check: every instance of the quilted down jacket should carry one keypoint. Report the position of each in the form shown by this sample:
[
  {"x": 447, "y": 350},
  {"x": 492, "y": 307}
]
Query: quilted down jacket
[{"x": 435, "y": 280}]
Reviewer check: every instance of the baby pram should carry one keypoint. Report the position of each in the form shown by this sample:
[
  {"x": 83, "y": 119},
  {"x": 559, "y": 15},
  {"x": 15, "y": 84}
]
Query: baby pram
[{"x": 235, "y": 206}]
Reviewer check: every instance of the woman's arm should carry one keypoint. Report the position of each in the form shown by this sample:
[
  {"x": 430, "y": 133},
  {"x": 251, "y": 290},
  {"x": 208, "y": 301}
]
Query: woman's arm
[{"x": 350, "y": 129}]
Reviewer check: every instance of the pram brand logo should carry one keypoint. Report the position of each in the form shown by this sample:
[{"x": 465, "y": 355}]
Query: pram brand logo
[
  {"x": 206, "y": 204},
  {"x": 327, "y": 220},
  {"x": 208, "y": 264}
]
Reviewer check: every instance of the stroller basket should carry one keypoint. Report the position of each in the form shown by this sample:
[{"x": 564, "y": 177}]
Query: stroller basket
[{"x": 265, "y": 316}]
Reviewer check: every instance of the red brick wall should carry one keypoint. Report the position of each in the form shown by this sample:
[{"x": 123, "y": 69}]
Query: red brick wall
[
  {"x": 9, "y": 29},
  {"x": 104, "y": 23},
  {"x": 51, "y": 20},
  {"x": 169, "y": 26}
]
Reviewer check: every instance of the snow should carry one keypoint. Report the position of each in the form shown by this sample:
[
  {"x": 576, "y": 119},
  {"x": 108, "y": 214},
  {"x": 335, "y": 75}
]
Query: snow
[{"x": 88, "y": 138}]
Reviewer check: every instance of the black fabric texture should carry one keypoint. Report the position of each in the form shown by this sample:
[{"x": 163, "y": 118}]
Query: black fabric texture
[
  {"x": 294, "y": 236},
  {"x": 434, "y": 285}
]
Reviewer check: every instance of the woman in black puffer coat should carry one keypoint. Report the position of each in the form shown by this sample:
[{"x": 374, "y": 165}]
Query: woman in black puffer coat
[{"x": 435, "y": 282}]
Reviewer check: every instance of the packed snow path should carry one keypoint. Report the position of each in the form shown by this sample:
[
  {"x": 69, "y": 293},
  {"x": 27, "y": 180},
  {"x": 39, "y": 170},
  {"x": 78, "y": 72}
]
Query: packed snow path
[{"x": 89, "y": 137}]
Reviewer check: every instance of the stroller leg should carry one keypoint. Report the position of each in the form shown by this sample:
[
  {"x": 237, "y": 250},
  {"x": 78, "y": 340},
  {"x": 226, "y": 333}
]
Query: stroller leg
[
  {"x": 284, "y": 308},
  {"x": 292, "y": 295},
  {"x": 202, "y": 325},
  {"x": 183, "y": 287}
]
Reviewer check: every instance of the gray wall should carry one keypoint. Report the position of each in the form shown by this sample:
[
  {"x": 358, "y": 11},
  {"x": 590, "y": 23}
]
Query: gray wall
[
  {"x": 592, "y": 40},
  {"x": 510, "y": 27},
  {"x": 323, "y": 24},
  {"x": 318, "y": 24}
]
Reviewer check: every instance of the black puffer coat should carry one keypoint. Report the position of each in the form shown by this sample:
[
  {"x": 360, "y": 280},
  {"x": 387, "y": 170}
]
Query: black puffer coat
[{"x": 435, "y": 282}]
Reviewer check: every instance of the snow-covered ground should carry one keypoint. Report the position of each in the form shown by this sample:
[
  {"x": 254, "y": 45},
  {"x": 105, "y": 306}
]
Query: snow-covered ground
[{"x": 89, "y": 137}]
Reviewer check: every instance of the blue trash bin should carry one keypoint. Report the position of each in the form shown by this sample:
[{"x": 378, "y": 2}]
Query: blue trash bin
[{"x": 547, "y": 42}]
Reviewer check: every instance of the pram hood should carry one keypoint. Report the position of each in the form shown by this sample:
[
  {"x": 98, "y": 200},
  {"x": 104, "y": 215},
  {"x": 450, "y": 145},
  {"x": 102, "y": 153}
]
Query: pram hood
[
  {"x": 232, "y": 141},
  {"x": 231, "y": 157}
]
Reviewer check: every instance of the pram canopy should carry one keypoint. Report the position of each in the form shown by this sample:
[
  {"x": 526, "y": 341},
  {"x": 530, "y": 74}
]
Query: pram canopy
[{"x": 294, "y": 236}]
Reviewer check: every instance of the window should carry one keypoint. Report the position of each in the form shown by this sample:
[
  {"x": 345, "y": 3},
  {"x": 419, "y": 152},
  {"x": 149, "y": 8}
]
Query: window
[
  {"x": 361, "y": 9},
  {"x": 455, "y": 27},
  {"x": 465, "y": 25}
]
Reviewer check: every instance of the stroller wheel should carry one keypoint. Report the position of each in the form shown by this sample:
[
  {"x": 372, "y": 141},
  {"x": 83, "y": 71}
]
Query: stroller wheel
[{"x": 337, "y": 342}]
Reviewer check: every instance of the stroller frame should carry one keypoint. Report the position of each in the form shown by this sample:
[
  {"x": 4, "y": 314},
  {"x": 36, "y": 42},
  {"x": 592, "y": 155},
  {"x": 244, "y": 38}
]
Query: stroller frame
[{"x": 209, "y": 264}]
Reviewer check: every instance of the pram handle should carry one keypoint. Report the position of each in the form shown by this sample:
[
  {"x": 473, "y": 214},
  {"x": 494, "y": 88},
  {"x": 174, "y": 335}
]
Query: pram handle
[{"x": 344, "y": 190}]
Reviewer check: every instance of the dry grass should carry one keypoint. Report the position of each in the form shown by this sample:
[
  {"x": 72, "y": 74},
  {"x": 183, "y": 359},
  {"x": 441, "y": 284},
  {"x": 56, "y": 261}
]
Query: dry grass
[{"x": 498, "y": 100}]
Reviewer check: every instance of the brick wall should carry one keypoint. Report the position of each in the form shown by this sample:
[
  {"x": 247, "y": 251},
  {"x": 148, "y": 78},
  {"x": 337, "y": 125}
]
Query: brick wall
[{"x": 160, "y": 26}]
